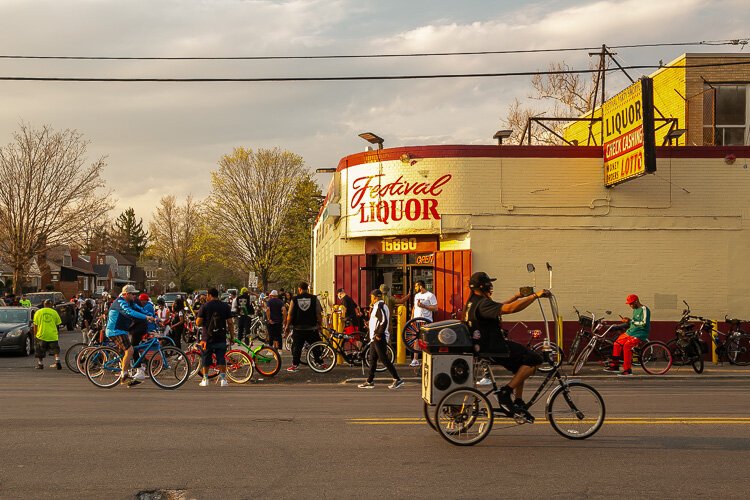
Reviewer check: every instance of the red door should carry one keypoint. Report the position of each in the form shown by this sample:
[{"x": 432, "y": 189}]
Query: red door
[
  {"x": 452, "y": 273},
  {"x": 351, "y": 278}
]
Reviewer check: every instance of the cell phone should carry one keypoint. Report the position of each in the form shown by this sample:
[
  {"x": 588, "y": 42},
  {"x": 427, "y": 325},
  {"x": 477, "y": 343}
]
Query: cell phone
[{"x": 525, "y": 291}]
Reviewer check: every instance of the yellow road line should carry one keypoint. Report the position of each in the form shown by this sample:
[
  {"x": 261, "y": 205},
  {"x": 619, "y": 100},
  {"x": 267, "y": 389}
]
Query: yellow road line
[{"x": 608, "y": 421}]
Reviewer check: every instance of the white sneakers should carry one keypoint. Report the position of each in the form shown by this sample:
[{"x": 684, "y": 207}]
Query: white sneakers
[
  {"x": 204, "y": 382},
  {"x": 223, "y": 383},
  {"x": 485, "y": 381},
  {"x": 414, "y": 363},
  {"x": 140, "y": 374}
]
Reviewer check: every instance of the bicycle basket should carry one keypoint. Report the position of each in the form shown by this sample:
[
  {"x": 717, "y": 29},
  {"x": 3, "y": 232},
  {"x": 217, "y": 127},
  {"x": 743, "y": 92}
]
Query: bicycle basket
[{"x": 586, "y": 321}]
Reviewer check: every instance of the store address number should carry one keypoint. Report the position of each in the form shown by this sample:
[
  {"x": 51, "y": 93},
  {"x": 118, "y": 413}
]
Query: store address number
[{"x": 399, "y": 245}]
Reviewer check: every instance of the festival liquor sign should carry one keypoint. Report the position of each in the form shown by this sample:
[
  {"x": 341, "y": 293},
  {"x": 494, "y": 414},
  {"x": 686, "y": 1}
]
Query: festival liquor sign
[
  {"x": 395, "y": 200},
  {"x": 628, "y": 126}
]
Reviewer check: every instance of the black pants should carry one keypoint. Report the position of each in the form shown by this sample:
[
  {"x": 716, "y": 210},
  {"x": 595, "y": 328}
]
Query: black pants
[
  {"x": 299, "y": 337},
  {"x": 379, "y": 351},
  {"x": 243, "y": 327}
]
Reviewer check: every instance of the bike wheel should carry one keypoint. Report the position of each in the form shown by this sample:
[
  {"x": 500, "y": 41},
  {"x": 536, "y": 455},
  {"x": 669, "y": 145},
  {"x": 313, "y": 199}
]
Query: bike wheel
[
  {"x": 464, "y": 417},
  {"x": 72, "y": 354},
  {"x": 575, "y": 410},
  {"x": 429, "y": 415},
  {"x": 738, "y": 350},
  {"x": 556, "y": 357},
  {"x": 411, "y": 333},
  {"x": 578, "y": 341},
  {"x": 696, "y": 361},
  {"x": 321, "y": 357},
  {"x": 679, "y": 354},
  {"x": 81, "y": 359},
  {"x": 103, "y": 367},
  {"x": 194, "y": 357},
  {"x": 380, "y": 367},
  {"x": 169, "y": 368},
  {"x": 581, "y": 360},
  {"x": 239, "y": 366},
  {"x": 288, "y": 343},
  {"x": 655, "y": 358},
  {"x": 267, "y": 361}
]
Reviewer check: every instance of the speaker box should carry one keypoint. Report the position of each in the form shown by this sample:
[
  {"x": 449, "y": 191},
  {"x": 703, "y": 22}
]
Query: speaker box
[{"x": 442, "y": 373}]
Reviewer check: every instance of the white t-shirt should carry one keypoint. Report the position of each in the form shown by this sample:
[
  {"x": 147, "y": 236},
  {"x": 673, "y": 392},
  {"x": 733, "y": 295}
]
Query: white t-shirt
[{"x": 427, "y": 298}]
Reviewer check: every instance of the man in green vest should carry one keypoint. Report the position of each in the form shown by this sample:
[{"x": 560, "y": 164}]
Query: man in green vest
[
  {"x": 24, "y": 301},
  {"x": 46, "y": 321}
]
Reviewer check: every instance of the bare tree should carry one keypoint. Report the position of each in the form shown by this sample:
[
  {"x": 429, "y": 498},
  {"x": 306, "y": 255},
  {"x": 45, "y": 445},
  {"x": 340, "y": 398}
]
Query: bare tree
[
  {"x": 561, "y": 95},
  {"x": 48, "y": 195},
  {"x": 174, "y": 238},
  {"x": 255, "y": 190}
]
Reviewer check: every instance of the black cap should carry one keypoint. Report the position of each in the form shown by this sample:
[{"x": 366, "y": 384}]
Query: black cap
[
  {"x": 480, "y": 279},
  {"x": 376, "y": 293}
]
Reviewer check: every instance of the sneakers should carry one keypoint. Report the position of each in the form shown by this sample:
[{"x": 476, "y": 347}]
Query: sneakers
[
  {"x": 504, "y": 398},
  {"x": 485, "y": 381},
  {"x": 366, "y": 385},
  {"x": 397, "y": 384},
  {"x": 414, "y": 363},
  {"x": 293, "y": 369},
  {"x": 140, "y": 375},
  {"x": 56, "y": 364},
  {"x": 128, "y": 381},
  {"x": 204, "y": 382},
  {"x": 39, "y": 366},
  {"x": 625, "y": 373},
  {"x": 223, "y": 383},
  {"x": 612, "y": 369}
]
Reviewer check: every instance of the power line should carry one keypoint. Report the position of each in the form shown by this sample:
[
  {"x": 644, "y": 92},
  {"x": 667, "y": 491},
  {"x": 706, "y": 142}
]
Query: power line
[
  {"x": 741, "y": 42},
  {"x": 360, "y": 78}
]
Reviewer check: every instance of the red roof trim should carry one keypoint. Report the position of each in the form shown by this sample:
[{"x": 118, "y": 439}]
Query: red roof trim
[{"x": 457, "y": 151}]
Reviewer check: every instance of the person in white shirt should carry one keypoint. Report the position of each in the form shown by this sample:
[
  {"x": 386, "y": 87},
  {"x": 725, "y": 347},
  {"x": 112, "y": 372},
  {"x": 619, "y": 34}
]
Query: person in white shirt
[
  {"x": 425, "y": 303},
  {"x": 378, "y": 327}
]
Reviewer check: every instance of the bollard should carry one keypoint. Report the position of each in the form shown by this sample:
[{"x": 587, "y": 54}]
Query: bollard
[
  {"x": 559, "y": 331},
  {"x": 400, "y": 346},
  {"x": 338, "y": 326},
  {"x": 714, "y": 355}
]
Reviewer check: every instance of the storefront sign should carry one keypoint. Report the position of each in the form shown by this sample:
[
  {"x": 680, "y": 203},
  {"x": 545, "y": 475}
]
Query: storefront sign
[
  {"x": 376, "y": 201},
  {"x": 628, "y": 125},
  {"x": 405, "y": 244},
  {"x": 425, "y": 260}
]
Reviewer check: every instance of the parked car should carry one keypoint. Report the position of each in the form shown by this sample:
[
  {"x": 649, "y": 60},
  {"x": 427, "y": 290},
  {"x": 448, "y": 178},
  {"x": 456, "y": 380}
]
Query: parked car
[
  {"x": 66, "y": 310},
  {"x": 16, "y": 334},
  {"x": 170, "y": 297}
]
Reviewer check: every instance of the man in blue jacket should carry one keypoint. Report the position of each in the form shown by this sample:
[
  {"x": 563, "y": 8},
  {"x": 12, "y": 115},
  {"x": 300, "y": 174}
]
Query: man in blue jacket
[{"x": 122, "y": 312}]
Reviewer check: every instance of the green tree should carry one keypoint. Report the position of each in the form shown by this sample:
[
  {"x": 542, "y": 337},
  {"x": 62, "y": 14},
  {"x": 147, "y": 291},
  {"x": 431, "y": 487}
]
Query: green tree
[
  {"x": 129, "y": 236},
  {"x": 296, "y": 257}
]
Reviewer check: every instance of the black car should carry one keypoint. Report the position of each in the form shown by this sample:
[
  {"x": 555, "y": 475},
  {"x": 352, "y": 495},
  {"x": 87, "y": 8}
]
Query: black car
[
  {"x": 16, "y": 334},
  {"x": 66, "y": 310}
]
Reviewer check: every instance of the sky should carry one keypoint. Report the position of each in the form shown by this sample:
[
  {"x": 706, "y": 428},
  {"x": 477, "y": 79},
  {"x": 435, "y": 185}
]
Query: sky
[{"x": 165, "y": 138}]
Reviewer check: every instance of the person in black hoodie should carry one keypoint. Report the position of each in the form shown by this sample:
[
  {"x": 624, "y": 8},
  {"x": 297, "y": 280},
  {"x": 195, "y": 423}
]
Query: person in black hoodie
[
  {"x": 379, "y": 333},
  {"x": 305, "y": 316}
]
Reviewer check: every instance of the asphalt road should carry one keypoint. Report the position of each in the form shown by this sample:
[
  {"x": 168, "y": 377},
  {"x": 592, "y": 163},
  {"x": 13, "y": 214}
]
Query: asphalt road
[{"x": 64, "y": 438}]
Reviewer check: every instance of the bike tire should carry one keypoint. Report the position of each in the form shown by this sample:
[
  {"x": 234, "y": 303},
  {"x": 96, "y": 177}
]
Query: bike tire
[
  {"x": 738, "y": 350},
  {"x": 194, "y": 356},
  {"x": 429, "y": 415},
  {"x": 103, "y": 367},
  {"x": 325, "y": 353},
  {"x": 574, "y": 347},
  {"x": 288, "y": 343},
  {"x": 81, "y": 359},
  {"x": 239, "y": 366},
  {"x": 655, "y": 358},
  {"x": 582, "y": 358},
  {"x": 464, "y": 417},
  {"x": 169, "y": 368},
  {"x": 697, "y": 361},
  {"x": 410, "y": 333},
  {"x": 72, "y": 354},
  {"x": 679, "y": 356},
  {"x": 267, "y": 361},
  {"x": 380, "y": 367},
  {"x": 575, "y": 403},
  {"x": 557, "y": 358}
]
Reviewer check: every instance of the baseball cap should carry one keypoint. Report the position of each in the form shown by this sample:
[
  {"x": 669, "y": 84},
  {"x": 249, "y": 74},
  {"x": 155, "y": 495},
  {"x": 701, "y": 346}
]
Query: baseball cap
[
  {"x": 631, "y": 299},
  {"x": 274, "y": 293},
  {"x": 129, "y": 289},
  {"x": 243, "y": 290},
  {"x": 143, "y": 296},
  {"x": 376, "y": 293},
  {"x": 479, "y": 279}
]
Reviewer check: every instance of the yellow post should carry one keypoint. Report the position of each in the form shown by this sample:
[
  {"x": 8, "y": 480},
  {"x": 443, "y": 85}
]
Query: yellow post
[
  {"x": 559, "y": 328},
  {"x": 338, "y": 326},
  {"x": 714, "y": 356},
  {"x": 400, "y": 346}
]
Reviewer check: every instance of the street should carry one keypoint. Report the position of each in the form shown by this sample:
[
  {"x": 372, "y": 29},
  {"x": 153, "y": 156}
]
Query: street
[{"x": 64, "y": 438}]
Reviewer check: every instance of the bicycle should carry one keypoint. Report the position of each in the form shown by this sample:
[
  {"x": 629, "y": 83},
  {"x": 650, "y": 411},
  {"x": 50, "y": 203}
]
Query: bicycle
[
  {"x": 653, "y": 356},
  {"x": 587, "y": 324},
  {"x": 167, "y": 366},
  {"x": 465, "y": 416},
  {"x": 735, "y": 346},
  {"x": 322, "y": 356},
  {"x": 239, "y": 365},
  {"x": 688, "y": 348},
  {"x": 266, "y": 359}
]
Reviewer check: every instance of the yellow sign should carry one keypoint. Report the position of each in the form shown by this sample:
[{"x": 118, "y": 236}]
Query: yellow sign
[{"x": 628, "y": 127}]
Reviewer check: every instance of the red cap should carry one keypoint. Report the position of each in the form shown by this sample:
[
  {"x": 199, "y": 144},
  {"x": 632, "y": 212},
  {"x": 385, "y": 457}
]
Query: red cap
[
  {"x": 143, "y": 297},
  {"x": 631, "y": 299}
]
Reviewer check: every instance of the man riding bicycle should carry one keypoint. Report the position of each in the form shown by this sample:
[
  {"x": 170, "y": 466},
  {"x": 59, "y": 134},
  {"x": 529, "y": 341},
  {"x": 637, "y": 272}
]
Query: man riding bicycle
[
  {"x": 637, "y": 332},
  {"x": 121, "y": 314},
  {"x": 483, "y": 316}
]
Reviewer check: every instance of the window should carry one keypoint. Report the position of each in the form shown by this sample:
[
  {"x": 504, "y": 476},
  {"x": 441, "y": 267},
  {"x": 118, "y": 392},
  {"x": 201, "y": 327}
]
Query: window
[
  {"x": 726, "y": 112},
  {"x": 67, "y": 261},
  {"x": 55, "y": 277}
]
